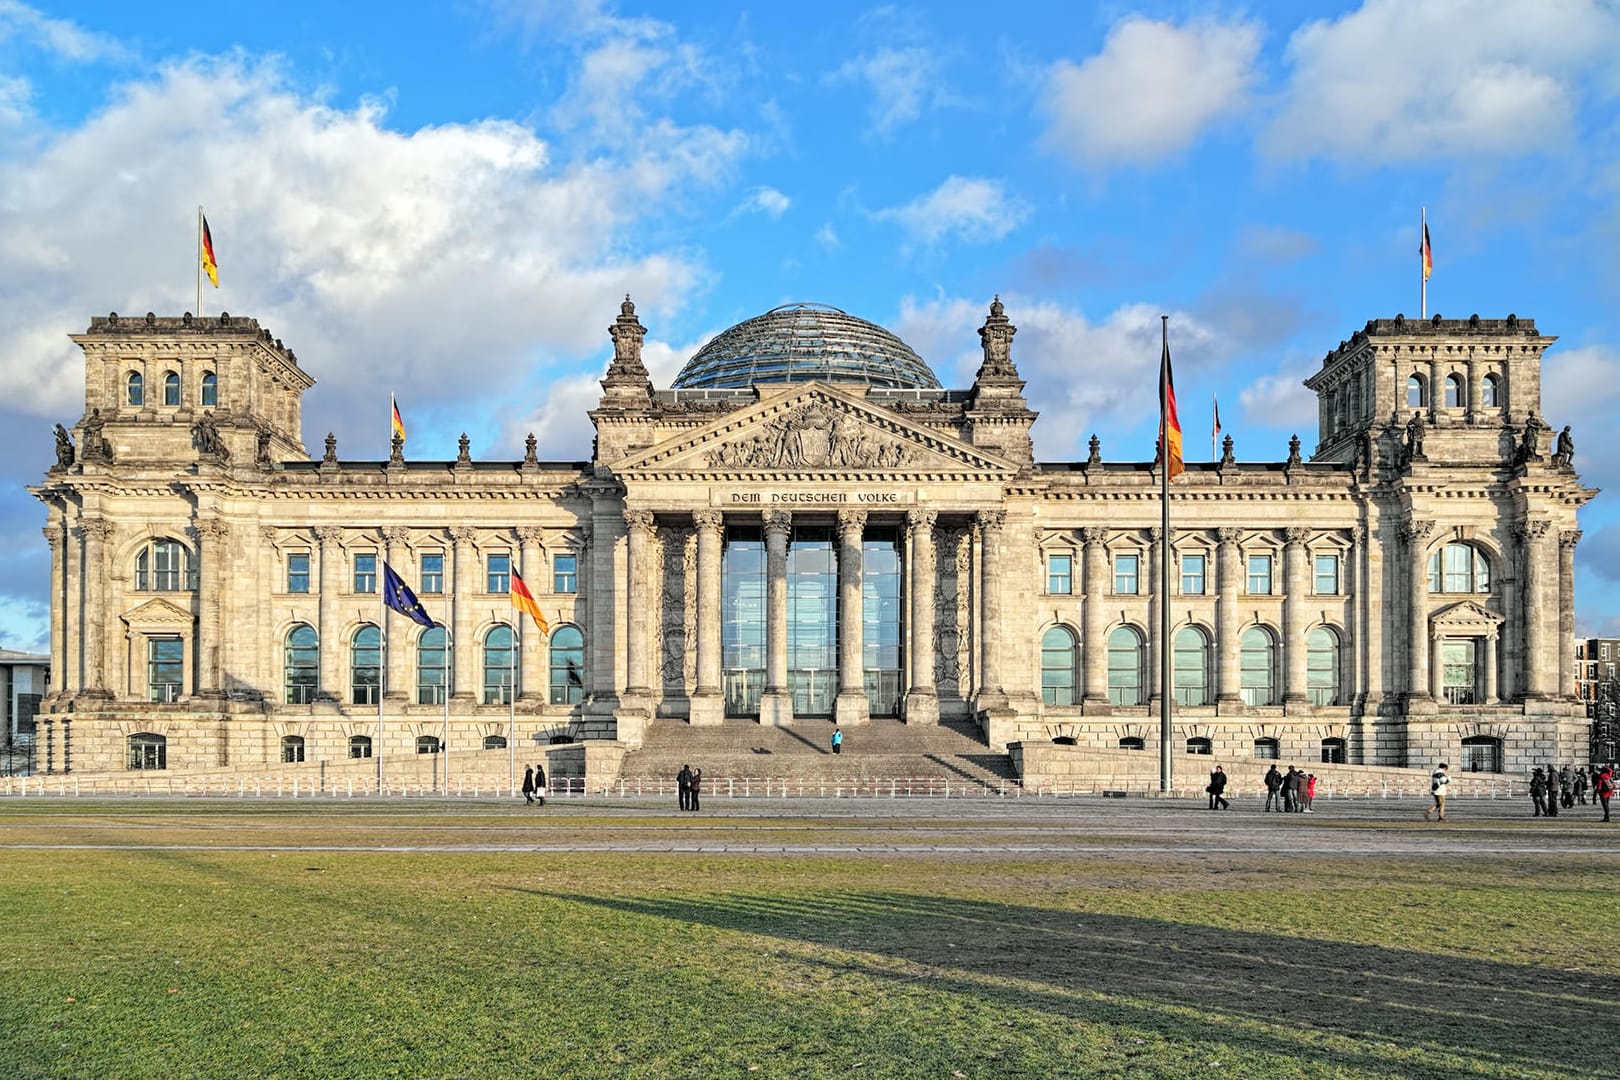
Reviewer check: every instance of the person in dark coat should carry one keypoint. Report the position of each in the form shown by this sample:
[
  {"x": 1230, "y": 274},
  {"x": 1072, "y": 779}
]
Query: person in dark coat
[
  {"x": 683, "y": 786},
  {"x": 1291, "y": 789},
  {"x": 1274, "y": 782},
  {"x": 695, "y": 790},
  {"x": 1538, "y": 790},
  {"x": 1216, "y": 789},
  {"x": 528, "y": 786},
  {"x": 1549, "y": 805},
  {"x": 540, "y": 783}
]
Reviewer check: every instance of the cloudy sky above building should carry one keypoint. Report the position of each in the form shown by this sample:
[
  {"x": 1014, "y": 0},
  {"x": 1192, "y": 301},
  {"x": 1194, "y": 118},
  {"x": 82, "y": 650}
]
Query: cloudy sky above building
[{"x": 450, "y": 206}]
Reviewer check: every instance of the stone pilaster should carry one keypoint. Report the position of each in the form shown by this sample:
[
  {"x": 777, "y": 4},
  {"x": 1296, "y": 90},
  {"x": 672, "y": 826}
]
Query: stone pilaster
[
  {"x": 991, "y": 524},
  {"x": 1156, "y": 601},
  {"x": 399, "y": 632},
  {"x": 213, "y": 540},
  {"x": 531, "y": 677},
  {"x": 95, "y": 532},
  {"x": 1229, "y": 582},
  {"x": 1295, "y": 615},
  {"x": 466, "y": 585},
  {"x": 1416, "y": 534},
  {"x": 922, "y": 696},
  {"x": 852, "y": 706},
  {"x": 330, "y": 538},
  {"x": 1536, "y": 684},
  {"x": 776, "y": 704},
  {"x": 58, "y": 591},
  {"x": 1567, "y": 539},
  {"x": 1094, "y": 649},
  {"x": 708, "y": 705},
  {"x": 641, "y": 595}
]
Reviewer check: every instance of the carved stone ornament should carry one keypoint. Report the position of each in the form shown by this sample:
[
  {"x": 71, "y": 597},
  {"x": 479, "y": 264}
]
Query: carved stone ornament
[
  {"x": 396, "y": 535},
  {"x": 778, "y": 521},
  {"x": 396, "y": 451},
  {"x": 98, "y": 529},
  {"x": 209, "y": 530},
  {"x": 330, "y": 457},
  {"x": 206, "y": 438},
  {"x": 1415, "y": 532},
  {"x": 1293, "y": 452},
  {"x": 464, "y": 450},
  {"x": 1296, "y": 535},
  {"x": 64, "y": 447},
  {"x": 996, "y": 335},
  {"x": 529, "y": 444},
  {"x": 813, "y": 436},
  {"x": 328, "y": 534},
  {"x": 462, "y": 534},
  {"x": 1569, "y": 538},
  {"x": 1228, "y": 535},
  {"x": 851, "y": 525},
  {"x": 990, "y": 521},
  {"x": 1227, "y": 456},
  {"x": 708, "y": 519},
  {"x": 639, "y": 521},
  {"x": 530, "y": 535},
  {"x": 1094, "y": 534},
  {"x": 1094, "y": 457}
]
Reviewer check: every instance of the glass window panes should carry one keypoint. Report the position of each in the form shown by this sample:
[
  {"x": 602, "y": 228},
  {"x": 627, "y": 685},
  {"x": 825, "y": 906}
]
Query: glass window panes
[
  {"x": 148, "y": 751},
  {"x": 302, "y": 665},
  {"x": 1488, "y": 392},
  {"x": 1125, "y": 574},
  {"x": 292, "y": 749},
  {"x": 1459, "y": 568},
  {"x": 359, "y": 746},
  {"x": 1454, "y": 392},
  {"x": 1060, "y": 574},
  {"x": 1132, "y": 742},
  {"x": 494, "y": 742},
  {"x": 432, "y": 576},
  {"x": 365, "y": 572},
  {"x": 210, "y": 390},
  {"x": 1259, "y": 575},
  {"x": 432, "y": 667},
  {"x": 1459, "y": 670},
  {"x": 742, "y": 619},
  {"x": 1481, "y": 753},
  {"x": 1057, "y": 666},
  {"x": 365, "y": 666},
  {"x": 1200, "y": 745},
  {"x": 1322, "y": 666},
  {"x": 567, "y": 666},
  {"x": 171, "y": 389},
  {"x": 498, "y": 665},
  {"x": 427, "y": 744},
  {"x": 1191, "y": 667},
  {"x": 134, "y": 391},
  {"x": 165, "y": 666},
  {"x": 1192, "y": 575},
  {"x": 298, "y": 571},
  {"x": 1267, "y": 748},
  {"x": 164, "y": 566},
  {"x": 1333, "y": 752},
  {"x": 1414, "y": 392},
  {"x": 1327, "y": 575},
  {"x": 812, "y": 629},
  {"x": 882, "y": 619},
  {"x": 1125, "y": 664},
  {"x": 1257, "y": 666},
  {"x": 565, "y": 574},
  {"x": 498, "y": 578}
]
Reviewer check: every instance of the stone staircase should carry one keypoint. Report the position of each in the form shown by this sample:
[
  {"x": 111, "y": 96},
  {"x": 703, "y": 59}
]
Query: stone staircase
[{"x": 881, "y": 750}]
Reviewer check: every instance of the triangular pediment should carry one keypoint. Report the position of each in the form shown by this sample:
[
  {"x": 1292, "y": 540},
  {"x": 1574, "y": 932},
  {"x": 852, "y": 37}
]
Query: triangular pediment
[
  {"x": 814, "y": 429},
  {"x": 1466, "y": 617},
  {"x": 157, "y": 614}
]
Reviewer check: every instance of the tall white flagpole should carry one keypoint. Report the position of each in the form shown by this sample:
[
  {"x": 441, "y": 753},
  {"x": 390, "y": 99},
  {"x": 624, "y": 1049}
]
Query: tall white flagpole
[
  {"x": 1166, "y": 653},
  {"x": 444, "y": 694},
  {"x": 382, "y": 675},
  {"x": 199, "y": 259},
  {"x": 511, "y": 700},
  {"x": 1423, "y": 262}
]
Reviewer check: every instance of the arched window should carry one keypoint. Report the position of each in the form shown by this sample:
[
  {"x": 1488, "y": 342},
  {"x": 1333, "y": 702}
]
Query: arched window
[
  {"x": 1057, "y": 666},
  {"x": 1132, "y": 742},
  {"x": 1125, "y": 667},
  {"x": 292, "y": 749},
  {"x": 171, "y": 389},
  {"x": 359, "y": 746},
  {"x": 134, "y": 389},
  {"x": 1267, "y": 748},
  {"x": 1414, "y": 392},
  {"x": 567, "y": 666},
  {"x": 1490, "y": 392},
  {"x": 1459, "y": 568},
  {"x": 1257, "y": 666},
  {"x": 498, "y": 666},
  {"x": 210, "y": 390},
  {"x": 1454, "y": 392},
  {"x": 1191, "y": 667},
  {"x": 494, "y": 742},
  {"x": 148, "y": 751},
  {"x": 1199, "y": 745},
  {"x": 365, "y": 666},
  {"x": 303, "y": 664},
  {"x": 1333, "y": 752},
  {"x": 427, "y": 744},
  {"x": 164, "y": 565},
  {"x": 432, "y": 667},
  {"x": 1322, "y": 666},
  {"x": 1481, "y": 753}
]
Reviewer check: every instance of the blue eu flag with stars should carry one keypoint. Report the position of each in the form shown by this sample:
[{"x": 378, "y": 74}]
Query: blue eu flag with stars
[{"x": 398, "y": 595}]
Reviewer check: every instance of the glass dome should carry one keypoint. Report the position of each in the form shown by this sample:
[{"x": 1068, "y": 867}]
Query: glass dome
[{"x": 804, "y": 342}]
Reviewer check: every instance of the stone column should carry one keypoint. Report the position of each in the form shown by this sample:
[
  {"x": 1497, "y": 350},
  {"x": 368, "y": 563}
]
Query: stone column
[
  {"x": 1229, "y": 574},
  {"x": 1535, "y": 610},
  {"x": 1437, "y": 390},
  {"x": 1295, "y": 615},
  {"x": 464, "y": 586},
  {"x": 95, "y": 533},
  {"x": 922, "y": 697},
  {"x": 776, "y": 704},
  {"x": 1567, "y": 539},
  {"x": 400, "y": 632},
  {"x": 331, "y": 554},
  {"x": 1437, "y": 667},
  {"x": 708, "y": 705},
  {"x": 1490, "y": 660},
  {"x": 532, "y": 660},
  {"x": 641, "y": 592},
  {"x": 1156, "y": 602},
  {"x": 1473, "y": 387},
  {"x": 1094, "y": 650},
  {"x": 852, "y": 706},
  {"x": 58, "y": 602},
  {"x": 213, "y": 538},
  {"x": 991, "y": 695},
  {"x": 73, "y": 644},
  {"x": 1416, "y": 535},
  {"x": 265, "y": 671}
]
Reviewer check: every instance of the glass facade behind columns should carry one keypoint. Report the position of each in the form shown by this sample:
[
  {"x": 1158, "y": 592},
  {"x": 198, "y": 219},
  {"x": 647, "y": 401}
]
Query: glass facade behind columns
[
  {"x": 742, "y": 629},
  {"x": 812, "y": 588},
  {"x": 881, "y": 606}
]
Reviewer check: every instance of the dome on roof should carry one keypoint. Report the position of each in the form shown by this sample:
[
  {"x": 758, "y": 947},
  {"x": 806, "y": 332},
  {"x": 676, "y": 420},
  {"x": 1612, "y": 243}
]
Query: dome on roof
[{"x": 803, "y": 342}]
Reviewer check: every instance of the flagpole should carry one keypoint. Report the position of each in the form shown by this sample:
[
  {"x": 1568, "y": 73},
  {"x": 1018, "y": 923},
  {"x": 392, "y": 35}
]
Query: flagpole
[
  {"x": 511, "y": 701},
  {"x": 1423, "y": 278},
  {"x": 199, "y": 259},
  {"x": 444, "y": 695},
  {"x": 382, "y": 675},
  {"x": 1165, "y": 650}
]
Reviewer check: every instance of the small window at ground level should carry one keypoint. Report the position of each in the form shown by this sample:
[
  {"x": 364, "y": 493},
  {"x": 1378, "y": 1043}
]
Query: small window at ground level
[
  {"x": 1333, "y": 752},
  {"x": 359, "y": 746},
  {"x": 292, "y": 749},
  {"x": 1267, "y": 748},
  {"x": 1481, "y": 753},
  {"x": 494, "y": 742},
  {"x": 148, "y": 751},
  {"x": 1131, "y": 742},
  {"x": 1199, "y": 745},
  {"x": 427, "y": 744}
]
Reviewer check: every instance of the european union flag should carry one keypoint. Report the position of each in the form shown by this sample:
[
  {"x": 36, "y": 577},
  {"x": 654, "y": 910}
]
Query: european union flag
[{"x": 398, "y": 595}]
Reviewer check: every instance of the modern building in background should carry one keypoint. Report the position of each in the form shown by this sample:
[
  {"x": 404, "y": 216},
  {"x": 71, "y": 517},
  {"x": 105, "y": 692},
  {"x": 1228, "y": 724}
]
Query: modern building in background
[
  {"x": 24, "y": 682},
  {"x": 807, "y": 528}
]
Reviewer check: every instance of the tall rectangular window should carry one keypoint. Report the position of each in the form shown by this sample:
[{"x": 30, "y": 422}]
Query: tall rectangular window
[
  {"x": 365, "y": 572},
  {"x": 1125, "y": 575},
  {"x": 432, "y": 578},
  {"x": 1327, "y": 575},
  {"x": 1060, "y": 575},
  {"x": 165, "y": 665},
  {"x": 298, "y": 571},
  {"x": 1192, "y": 575},
  {"x": 565, "y": 573},
  {"x": 1259, "y": 575},
  {"x": 499, "y": 576}
]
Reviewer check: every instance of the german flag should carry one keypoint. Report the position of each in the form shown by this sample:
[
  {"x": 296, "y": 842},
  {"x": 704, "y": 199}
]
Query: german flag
[
  {"x": 1169, "y": 422},
  {"x": 210, "y": 265},
  {"x": 1428, "y": 253},
  {"x": 523, "y": 600},
  {"x": 399, "y": 425}
]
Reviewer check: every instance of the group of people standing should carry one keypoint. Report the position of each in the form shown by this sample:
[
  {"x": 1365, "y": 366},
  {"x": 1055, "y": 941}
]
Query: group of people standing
[
  {"x": 534, "y": 785},
  {"x": 689, "y": 786},
  {"x": 1567, "y": 787},
  {"x": 1291, "y": 792}
]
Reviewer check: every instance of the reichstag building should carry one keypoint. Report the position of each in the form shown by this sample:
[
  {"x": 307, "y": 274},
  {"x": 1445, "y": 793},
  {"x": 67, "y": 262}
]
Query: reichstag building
[{"x": 804, "y": 528}]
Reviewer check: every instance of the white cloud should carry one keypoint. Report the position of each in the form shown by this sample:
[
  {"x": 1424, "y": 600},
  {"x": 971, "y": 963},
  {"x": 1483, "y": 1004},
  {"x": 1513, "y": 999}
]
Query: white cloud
[
  {"x": 902, "y": 81},
  {"x": 59, "y": 37},
  {"x": 1402, "y": 80},
  {"x": 970, "y": 209},
  {"x": 1581, "y": 387},
  {"x": 1151, "y": 92},
  {"x": 827, "y": 237},
  {"x": 767, "y": 201},
  {"x": 1280, "y": 400}
]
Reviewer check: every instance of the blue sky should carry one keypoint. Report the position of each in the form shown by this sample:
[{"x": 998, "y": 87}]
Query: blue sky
[{"x": 449, "y": 205}]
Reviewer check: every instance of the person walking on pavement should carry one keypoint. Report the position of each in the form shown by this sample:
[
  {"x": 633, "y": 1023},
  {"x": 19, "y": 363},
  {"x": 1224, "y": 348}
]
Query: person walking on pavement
[
  {"x": 838, "y": 740},
  {"x": 1439, "y": 784},
  {"x": 1216, "y": 789},
  {"x": 1550, "y": 803},
  {"x": 539, "y": 783},
  {"x": 1538, "y": 790},
  {"x": 528, "y": 786},
  {"x": 1604, "y": 789},
  {"x": 1310, "y": 792}
]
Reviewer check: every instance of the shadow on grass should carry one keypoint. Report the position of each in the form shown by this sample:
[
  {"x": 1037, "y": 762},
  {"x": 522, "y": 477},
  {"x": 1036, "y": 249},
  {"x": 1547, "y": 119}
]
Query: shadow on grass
[{"x": 1197, "y": 982}]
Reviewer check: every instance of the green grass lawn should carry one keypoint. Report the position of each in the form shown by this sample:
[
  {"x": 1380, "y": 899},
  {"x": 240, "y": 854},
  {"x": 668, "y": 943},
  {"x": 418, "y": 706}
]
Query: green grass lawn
[{"x": 197, "y": 962}]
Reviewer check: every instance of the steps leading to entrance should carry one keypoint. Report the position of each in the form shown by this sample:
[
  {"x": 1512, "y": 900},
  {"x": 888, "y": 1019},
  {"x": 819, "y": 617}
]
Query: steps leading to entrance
[{"x": 880, "y": 749}]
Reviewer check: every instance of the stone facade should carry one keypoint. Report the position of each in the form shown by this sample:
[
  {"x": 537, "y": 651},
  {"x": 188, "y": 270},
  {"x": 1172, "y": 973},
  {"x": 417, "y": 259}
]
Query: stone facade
[{"x": 1404, "y": 595}]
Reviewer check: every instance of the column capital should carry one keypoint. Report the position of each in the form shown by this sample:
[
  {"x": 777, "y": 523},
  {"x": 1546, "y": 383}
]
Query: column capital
[
  {"x": 208, "y": 530},
  {"x": 1295, "y": 535},
  {"x": 1568, "y": 538},
  {"x": 53, "y": 537},
  {"x": 1531, "y": 530},
  {"x": 990, "y": 521},
  {"x": 94, "y": 529},
  {"x": 530, "y": 535},
  {"x": 639, "y": 521},
  {"x": 1228, "y": 535},
  {"x": 329, "y": 534},
  {"x": 851, "y": 522},
  {"x": 1415, "y": 532},
  {"x": 1155, "y": 534},
  {"x": 777, "y": 521},
  {"x": 1094, "y": 534},
  {"x": 395, "y": 534},
  {"x": 708, "y": 520},
  {"x": 918, "y": 521}
]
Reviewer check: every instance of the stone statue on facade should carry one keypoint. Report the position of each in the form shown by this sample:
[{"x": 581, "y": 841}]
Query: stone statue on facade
[
  {"x": 1564, "y": 455},
  {"x": 64, "y": 447},
  {"x": 1293, "y": 452},
  {"x": 261, "y": 449},
  {"x": 1530, "y": 441},
  {"x": 1094, "y": 457},
  {"x": 1227, "y": 455},
  {"x": 205, "y": 436},
  {"x": 464, "y": 450},
  {"x": 331, "y": 450},
  {"x": 94, "y": 446},
  {"x": 1414, "y": 437}
]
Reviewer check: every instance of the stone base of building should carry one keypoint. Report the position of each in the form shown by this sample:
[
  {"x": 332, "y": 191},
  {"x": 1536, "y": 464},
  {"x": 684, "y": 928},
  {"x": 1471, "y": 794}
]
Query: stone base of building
[
  {"x": 922, "y": 707},
  {"x": 852, "y": 709},
  {"x": 776, "y": 707}
]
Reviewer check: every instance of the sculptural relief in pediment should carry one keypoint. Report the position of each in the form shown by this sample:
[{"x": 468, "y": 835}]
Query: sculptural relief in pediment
[{"x": 814, "y": 435}]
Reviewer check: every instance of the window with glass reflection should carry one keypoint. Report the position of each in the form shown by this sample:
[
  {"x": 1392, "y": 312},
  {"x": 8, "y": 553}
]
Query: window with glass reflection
[
  {"x": 742, "y": 614},
  {"x": 882, "y": 599}
]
